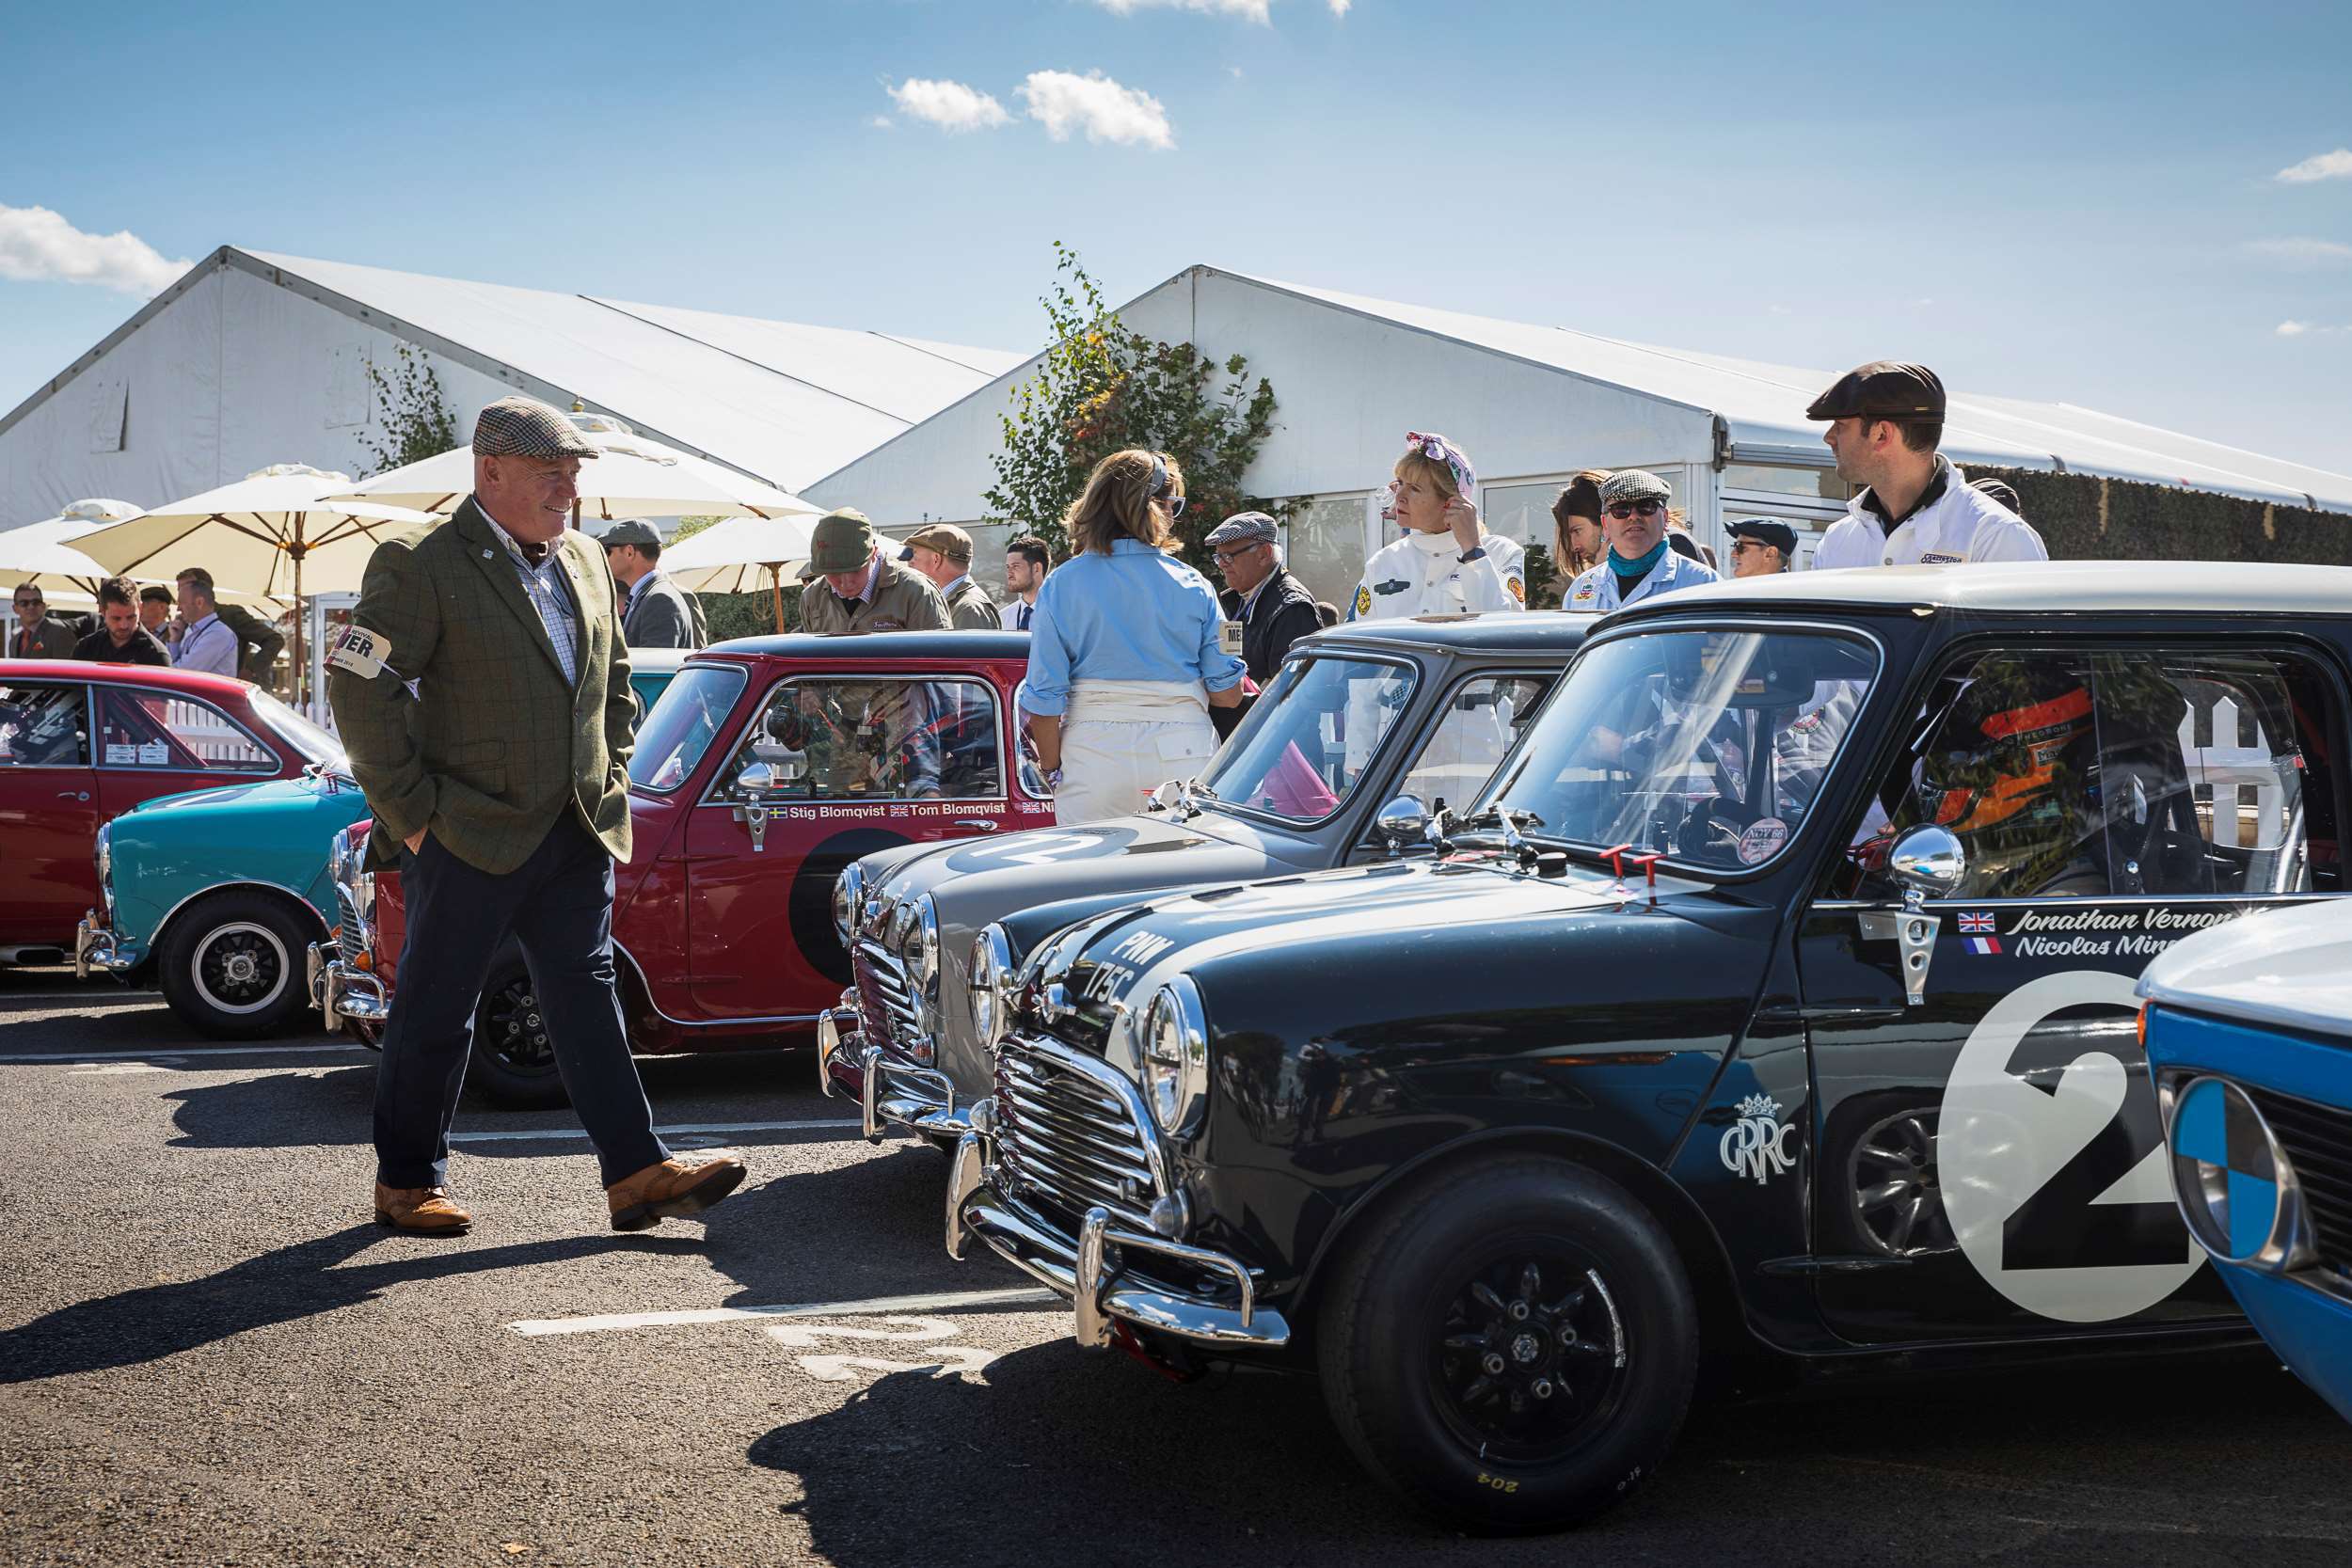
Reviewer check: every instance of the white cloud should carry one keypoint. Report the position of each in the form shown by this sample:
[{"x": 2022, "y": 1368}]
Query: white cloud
[
  {"x": 1338, "y": 7},
  {"x": 37, "y": 246},
  {"x": 2301, "y": 252},
  {"x": 2325, "y": 165},
  {"x": 882, "y": 122},
  {"x": 1094, "y": 103},
  {"x": 950, "y": 106},
  {"x": 1234, "y": 71},
  {"x": 1251, "y": 10},
  {"x": 2293, "y": 329}
]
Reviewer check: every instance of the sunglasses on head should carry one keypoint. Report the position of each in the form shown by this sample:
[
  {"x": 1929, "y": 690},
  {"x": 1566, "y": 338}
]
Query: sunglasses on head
[
  {"x": 1622, "y": 510},
  {"x": 1160, "y": 486}
]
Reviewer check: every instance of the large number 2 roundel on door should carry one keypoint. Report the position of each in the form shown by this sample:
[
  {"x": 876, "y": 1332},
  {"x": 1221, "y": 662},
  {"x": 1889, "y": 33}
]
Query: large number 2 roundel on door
[{"x": 2059, "y": 1194}]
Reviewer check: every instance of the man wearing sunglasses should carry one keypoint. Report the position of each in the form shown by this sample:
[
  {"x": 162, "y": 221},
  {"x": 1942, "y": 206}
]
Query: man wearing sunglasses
[
  {"x": 1886, "y": 420},
  {"x": 1638, "y": 564},
  {"x": 1273, "y": 608},
  {"x": 1761, "y": 546},
  {"x": 35, "y": 635}
]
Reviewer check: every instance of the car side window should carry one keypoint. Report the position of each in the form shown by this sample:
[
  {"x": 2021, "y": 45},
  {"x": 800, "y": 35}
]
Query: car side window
[
  {"x": 44, "y": 725},
  {"x": 857, "y": 738},
  {"x": 2091, "y": 774},
  {"x": 1480, "y": 720},
  {"x": 143, "y": 728}
]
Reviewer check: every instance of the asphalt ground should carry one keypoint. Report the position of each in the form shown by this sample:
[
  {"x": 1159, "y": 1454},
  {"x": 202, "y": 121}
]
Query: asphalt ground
[{"x": 209, "y": 1353}]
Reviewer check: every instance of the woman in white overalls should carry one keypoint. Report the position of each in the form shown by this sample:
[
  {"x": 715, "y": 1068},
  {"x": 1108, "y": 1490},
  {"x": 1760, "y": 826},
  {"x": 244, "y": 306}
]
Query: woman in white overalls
[
  {"x": 1639, "y": 565},
  {"x": 1124, "y": 661}
]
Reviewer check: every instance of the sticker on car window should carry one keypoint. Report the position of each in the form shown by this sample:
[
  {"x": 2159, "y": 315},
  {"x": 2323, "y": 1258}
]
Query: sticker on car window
[{"x": 1762, "y": 840}]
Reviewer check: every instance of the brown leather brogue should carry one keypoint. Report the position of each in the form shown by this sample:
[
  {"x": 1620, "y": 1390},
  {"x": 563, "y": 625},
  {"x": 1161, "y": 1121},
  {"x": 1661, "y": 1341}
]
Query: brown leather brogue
[
  {"x": 672, "y": 1189},
  {"x": 421, "y": 1211}
]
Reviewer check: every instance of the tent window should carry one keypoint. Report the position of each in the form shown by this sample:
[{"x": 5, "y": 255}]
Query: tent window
[
  {"x": 346, "y": 388},
  {"x": 109, "y": 414}
]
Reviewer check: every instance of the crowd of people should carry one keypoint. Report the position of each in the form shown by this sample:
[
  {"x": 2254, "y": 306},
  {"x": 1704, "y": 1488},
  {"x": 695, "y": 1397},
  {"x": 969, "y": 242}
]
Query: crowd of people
[{"x": 185, "y": 626}]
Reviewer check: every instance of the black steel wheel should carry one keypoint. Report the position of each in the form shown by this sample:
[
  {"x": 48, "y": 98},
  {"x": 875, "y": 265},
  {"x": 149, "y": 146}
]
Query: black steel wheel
[
  {"x": 1511, "y": 1344},
  {"x": 513, "y": 1063},
  {"x": 232, "y": 964},
  {"x": 1894, "y": 1188}
]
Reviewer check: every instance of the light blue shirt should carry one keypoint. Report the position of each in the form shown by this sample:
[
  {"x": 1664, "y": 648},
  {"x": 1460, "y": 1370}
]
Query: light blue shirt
[
  {"x": 1136, "y": 614},
  {"x": 208, "y": 644}
]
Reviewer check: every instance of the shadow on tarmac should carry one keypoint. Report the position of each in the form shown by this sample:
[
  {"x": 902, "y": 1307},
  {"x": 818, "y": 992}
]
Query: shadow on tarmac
[
  {"x": 869, "y": 1227},
  {"x": 298, "y": 1281}
]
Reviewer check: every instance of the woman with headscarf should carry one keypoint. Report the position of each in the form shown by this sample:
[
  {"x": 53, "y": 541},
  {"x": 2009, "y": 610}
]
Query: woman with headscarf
[
  {"x": 1125, "y": 657},
  {"x": 1446, "y": 564}
]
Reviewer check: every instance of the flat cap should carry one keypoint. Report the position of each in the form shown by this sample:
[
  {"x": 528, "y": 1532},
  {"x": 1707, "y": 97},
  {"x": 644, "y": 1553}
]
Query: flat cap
[
  {"x": 629, "y": 530},
  {"x": 1766, "y": 530},
  {"x": 525, "y": 427},
  {"x": 1634, "y": 484},
  {"x": 842, "y": 541},
  {"x": 1254, "y": 527},
  {"x": 948, "y": 539},
  {"x": 1999, "y": 490},
  {"x": 1883, "y": 388}
]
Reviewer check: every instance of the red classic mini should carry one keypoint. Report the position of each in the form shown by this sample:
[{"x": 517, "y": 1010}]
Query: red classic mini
[{"x": 767, "y": 766}]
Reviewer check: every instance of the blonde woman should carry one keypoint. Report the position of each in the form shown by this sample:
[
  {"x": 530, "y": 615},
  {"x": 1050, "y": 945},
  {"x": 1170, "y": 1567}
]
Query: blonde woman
[
  {"x": 1576, "y": 542},
  {"x": 1124, "y": 661},
  {"x": 1446, "y": 564}
]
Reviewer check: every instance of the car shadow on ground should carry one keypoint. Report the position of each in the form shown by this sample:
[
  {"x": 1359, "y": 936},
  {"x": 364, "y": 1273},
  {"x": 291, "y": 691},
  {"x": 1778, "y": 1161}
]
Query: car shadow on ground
[
  {"x": 298, "y": 1281},
  {"x": 869, "y": 1227},
  {"x": 1104, "y": 1457}
]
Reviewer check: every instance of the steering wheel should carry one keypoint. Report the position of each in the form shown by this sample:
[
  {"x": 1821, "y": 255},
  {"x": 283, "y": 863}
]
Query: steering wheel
[{"x": 1709, "y": 836}]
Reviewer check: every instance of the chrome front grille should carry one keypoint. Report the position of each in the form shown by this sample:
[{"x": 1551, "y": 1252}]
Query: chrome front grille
[
  {"x": 2318, "y": 1142},
  {"x": 1072, "y": 1131},
  {"x": 351, "y": 933},
  {"x": 886, "y": 1005}
]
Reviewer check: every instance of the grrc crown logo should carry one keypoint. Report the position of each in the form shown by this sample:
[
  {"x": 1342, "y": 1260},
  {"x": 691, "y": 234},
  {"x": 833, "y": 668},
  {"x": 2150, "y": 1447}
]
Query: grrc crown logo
[{"x": 1757, "y": 1143}]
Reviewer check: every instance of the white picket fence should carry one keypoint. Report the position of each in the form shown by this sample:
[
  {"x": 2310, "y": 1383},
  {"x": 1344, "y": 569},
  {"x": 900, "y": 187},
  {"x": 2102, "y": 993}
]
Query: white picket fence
[{"x": 2239, "y": 762}]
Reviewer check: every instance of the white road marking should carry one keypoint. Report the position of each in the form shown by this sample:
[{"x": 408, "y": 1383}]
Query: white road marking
[
  {"x": 613, "y": 1321},
  {"x": 690, "y": 1128},
  {"x": 115, "y": 997},
  {"x": 119, "y": 1069},
  {"x": 70, "y": 1058}
]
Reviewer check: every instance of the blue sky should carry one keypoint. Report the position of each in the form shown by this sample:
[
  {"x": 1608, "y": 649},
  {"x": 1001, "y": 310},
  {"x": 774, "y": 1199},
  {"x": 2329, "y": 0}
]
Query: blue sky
[{"x": 2077, "y": 202}]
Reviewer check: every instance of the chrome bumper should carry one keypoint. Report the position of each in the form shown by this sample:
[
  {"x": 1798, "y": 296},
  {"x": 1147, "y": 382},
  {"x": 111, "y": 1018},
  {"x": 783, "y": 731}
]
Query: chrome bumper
[
  {"x": 94, "y": 948},
  {"x": 342, "y": 992},
  {"x": 1089, "y": 1269},
  {"x": 890, "y": 1092}
]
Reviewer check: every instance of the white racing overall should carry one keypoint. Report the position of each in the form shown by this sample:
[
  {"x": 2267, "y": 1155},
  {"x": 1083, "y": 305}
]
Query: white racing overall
[{"x": 1120, "y": 740}]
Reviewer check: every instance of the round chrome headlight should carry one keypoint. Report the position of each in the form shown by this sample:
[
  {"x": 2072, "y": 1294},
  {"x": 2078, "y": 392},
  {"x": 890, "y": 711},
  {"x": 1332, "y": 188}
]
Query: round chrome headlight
[
  {"x": 991, "y": 985},
  {"x": 105, "y": 853},
  {"x": 849, "y": 891},
  {"x": 1175, "y": 1054},
  {"x": 922, "y": 945},
  {"x": 338, "y": 854}
]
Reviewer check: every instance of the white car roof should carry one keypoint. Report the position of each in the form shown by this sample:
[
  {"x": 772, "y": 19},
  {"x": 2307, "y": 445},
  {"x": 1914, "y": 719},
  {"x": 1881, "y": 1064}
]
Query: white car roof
[
  {"x": 2284, "y": 969},
  {"x": 2040, "y": 587}
]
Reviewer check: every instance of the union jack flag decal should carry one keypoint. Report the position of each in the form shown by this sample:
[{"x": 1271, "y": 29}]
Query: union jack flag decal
[{"x": 1979, "y": 924}]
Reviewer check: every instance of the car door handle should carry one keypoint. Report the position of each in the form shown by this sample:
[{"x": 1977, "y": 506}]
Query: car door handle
[
  {"x": 977, "y": 824},
  {"x": 73, "y": 795}
]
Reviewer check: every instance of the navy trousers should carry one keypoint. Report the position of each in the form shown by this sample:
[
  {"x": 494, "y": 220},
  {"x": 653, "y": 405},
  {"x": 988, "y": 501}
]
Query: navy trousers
[{"x": 559, "y": 905}]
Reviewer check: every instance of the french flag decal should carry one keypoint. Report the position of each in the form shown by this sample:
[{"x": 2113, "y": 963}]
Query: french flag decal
[
  {"x": 1977, "y": 923},
  {"x": 1984, "y": 944}
]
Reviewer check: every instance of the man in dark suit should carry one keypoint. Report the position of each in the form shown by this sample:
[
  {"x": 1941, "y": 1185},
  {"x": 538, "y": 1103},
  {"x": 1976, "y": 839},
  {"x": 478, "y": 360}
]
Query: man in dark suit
[
  {"x": 505, "y": 778},
  {"x": 660, "y": 614},
  {"x": 35, "y": 635},
  {"x": 1274, "y": 608}
]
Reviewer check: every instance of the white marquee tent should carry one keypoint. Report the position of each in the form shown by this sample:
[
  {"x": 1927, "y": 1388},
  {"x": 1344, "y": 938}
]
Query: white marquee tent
[
  {"x": 1532, "y": 404},
  {"x": 254, "y": 359}
]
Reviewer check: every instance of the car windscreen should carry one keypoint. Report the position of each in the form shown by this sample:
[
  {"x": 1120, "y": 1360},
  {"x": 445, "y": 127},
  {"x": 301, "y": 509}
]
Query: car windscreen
[
  {"x": 1312, "y": 737},
  {"x": 1707, "y": 745},
  {"x": 685, "y": 719},
  {"x": 314, "y": 743}
]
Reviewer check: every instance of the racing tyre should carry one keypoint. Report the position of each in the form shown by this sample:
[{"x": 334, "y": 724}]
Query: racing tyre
[
  {"x": 233, "y": 964},
  {"x": 513, "y": 1063},
  {"x": 1513, "y": 1348}
]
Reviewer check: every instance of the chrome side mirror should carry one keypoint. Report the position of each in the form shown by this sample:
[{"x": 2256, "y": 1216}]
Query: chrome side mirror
[
  {"x": 759, "y": 778},
  {"x": 1927, "y": 863},
  {"x": 1402, "y": 823}
]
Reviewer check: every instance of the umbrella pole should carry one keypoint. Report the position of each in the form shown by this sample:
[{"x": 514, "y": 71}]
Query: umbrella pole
[
  {"x": 301, "y": 663},
  {"x": 775, "y": 589}
]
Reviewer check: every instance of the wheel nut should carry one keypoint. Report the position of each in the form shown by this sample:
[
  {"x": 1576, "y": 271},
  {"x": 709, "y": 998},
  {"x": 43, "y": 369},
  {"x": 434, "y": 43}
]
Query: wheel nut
[
  {"x": 1518, "y": 1311},
  {"x": 1493, "y": 1364},
  {"x": 1541, "y": 1388}
]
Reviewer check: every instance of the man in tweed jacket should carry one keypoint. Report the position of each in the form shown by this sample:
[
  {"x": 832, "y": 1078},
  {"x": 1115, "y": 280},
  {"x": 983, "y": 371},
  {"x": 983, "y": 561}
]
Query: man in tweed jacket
[{"x": 505, "y": 780}]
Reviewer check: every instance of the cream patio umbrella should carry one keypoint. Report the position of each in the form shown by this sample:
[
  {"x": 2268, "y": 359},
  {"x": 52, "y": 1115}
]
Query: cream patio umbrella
[
  {"x": 631, "y": 476},
  {"x": 37, "y": 553},
  {"x": 272, "y": 532},
  {"x": 734, "y": 556}
]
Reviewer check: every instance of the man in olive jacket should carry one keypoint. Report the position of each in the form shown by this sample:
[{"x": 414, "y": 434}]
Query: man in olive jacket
[{"x": 505, "y": 779}]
